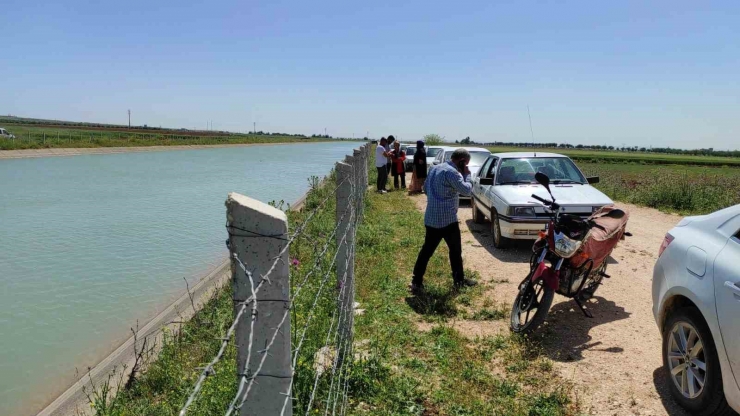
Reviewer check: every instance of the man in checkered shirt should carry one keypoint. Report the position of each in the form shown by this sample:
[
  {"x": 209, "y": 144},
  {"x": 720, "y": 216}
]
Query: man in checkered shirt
[{"x": 444, "y": 185}]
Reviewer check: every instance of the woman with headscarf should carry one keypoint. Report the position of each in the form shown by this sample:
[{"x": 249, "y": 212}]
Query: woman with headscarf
[{"x": 419, "y": 175}]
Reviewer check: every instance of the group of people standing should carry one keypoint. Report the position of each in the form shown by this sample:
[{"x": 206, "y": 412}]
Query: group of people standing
[{"x": 390, "y": 158}]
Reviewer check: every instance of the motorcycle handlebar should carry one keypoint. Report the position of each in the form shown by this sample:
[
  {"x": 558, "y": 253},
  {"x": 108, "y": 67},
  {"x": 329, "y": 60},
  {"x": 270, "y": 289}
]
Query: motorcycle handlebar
[{"x": 544, "y": 201}]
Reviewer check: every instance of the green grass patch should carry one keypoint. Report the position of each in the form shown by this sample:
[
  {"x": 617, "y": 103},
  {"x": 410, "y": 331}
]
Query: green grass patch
[
  {"x": 437, "y": 371},
  {"x": 686, "y": 190}
]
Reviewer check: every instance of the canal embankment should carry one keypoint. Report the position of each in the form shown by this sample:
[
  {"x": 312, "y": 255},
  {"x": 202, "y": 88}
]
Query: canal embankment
[{"x": 49, "y": 152}]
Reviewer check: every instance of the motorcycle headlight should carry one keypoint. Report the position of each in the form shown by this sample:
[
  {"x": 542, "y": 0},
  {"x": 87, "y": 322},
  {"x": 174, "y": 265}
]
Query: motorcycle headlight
[
  {"x": 522, "y": 211},
  {"x": 566, "y": 247}
]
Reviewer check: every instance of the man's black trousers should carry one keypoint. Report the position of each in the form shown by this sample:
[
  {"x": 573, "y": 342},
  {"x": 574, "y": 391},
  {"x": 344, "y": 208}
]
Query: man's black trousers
[{"x": 451, "y": 235}]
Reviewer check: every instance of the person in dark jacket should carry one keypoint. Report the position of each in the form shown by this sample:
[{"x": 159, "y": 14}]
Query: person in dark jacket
[
  {"x": 398, "y": 168},
  {"x": 419, "y": 175}
]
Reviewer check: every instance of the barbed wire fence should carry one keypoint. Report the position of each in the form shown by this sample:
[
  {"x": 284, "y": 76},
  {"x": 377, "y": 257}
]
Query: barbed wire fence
[{"x": 293, "y": 337}]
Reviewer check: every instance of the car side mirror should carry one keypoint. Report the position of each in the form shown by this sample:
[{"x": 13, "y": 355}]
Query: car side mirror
[
  {"x": 592, "y": 179},
  {"x": 486, "y": 181}
]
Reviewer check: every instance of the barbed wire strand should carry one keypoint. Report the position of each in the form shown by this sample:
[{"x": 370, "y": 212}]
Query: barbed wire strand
[
  {"x": 297, "y": 291},
  {"x": 328, "y": 337},
  {"x": 244, "y": 377},
  {"x": 341, "y": 353},
  {"x": 308, "y": 321},
  {"x": 207, "y": 370}
]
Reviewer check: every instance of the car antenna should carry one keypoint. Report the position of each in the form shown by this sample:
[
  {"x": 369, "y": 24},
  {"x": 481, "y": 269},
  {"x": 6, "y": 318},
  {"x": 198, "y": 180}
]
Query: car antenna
[{"x": 530, "y": 128}]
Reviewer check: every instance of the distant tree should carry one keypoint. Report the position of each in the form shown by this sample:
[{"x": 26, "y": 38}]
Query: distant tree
[
  {"x": 433, "y": 140},
  {"x": 457, "y": 141},
  {"x": 466, "y": 140}
]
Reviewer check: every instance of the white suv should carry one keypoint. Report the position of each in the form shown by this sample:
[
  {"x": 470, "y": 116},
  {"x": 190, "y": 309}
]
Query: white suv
[
  {"x": 6, "y": 134},
  {"x": 696, "y": 303}
]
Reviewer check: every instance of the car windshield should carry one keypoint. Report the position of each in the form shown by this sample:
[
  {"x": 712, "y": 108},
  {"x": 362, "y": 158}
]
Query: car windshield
[
  {"x": 522, "y": 170},
  {"x": 410, "y": 151},
  {"x": 432, "y": 152},
  {"x": 476, "y": 158}
]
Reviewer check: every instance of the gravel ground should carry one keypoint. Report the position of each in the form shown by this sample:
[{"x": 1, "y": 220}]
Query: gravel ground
[{"x": 614, "y": 359}]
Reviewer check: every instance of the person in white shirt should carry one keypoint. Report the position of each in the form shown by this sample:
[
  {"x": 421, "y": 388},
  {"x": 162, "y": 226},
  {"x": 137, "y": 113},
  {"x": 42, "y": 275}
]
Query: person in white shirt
[{"x": 381, "y": 159}]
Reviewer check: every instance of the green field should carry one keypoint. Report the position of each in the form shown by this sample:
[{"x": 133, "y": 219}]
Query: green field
[
  {"x": 606, "y": 156},
  {"x": 49, "y": 136},
  {"x": 687, "y": 190}
]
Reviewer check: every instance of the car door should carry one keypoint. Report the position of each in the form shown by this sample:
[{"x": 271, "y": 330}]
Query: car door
[
  {"x": 727, "y": 293},
  {"x": 490, "y": 174},
  {"x": 481, "y": 174}
]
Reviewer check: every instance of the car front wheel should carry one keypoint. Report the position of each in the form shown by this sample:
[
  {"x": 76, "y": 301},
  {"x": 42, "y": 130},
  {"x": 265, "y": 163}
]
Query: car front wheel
[
  {"x": 691, "y": 364},
  {"x": 499, "y": 241}
]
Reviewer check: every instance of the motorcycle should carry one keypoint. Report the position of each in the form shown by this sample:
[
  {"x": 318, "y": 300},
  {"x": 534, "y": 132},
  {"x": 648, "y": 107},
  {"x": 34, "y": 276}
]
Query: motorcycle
[{"x": 569, "y": 258}]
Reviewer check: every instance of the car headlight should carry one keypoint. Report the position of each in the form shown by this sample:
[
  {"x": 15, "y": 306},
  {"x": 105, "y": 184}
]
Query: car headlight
[
  {"x": 522, "y": 211},
  {"x": 566, "y": 247}
]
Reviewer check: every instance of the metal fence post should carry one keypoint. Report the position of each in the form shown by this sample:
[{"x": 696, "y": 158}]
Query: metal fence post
[
  {"x": 345, "y": 264},
  {"x": 258, "y": 235}
]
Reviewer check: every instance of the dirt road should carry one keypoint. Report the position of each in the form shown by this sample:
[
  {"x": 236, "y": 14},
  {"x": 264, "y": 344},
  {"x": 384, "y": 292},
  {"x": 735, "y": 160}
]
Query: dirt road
[{"x": 614, "y": 359}]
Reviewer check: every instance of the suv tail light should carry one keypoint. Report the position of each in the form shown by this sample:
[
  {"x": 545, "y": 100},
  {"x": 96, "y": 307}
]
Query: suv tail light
[{"x": 666, "y": 241}]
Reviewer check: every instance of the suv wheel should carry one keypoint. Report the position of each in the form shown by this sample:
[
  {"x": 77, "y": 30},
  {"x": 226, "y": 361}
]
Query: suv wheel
[
  {"x": 499, "y": 241},
  {"x": 691, "y": 364}
]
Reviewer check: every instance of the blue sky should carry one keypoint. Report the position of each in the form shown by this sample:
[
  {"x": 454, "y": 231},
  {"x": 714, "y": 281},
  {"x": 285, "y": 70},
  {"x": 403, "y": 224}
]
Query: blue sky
[{"x": 632, "y": 72}]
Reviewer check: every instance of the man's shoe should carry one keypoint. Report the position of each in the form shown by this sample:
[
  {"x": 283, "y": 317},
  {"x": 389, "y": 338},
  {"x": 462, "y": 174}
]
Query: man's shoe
[
  {"x": 465, "y": 283},
  {"x": 416, "y": 289}
]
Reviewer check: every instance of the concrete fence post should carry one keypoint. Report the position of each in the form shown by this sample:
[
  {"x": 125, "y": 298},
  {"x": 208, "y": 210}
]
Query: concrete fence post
[
  {"x": 258, "y": 234},
  {"x": 357, "y": 182},
  {"x": 345, "y": 260}
]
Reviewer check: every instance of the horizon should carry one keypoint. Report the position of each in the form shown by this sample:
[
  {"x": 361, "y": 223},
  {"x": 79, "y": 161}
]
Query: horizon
[{"x": 627, "y": 74}]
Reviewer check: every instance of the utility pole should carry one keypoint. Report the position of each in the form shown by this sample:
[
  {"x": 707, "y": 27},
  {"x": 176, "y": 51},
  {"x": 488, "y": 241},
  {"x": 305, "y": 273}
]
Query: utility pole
[
  {"x": 325, "y": 131},
  {"x": 254, "y": 127},
  {"x": 129, "y": 118}
]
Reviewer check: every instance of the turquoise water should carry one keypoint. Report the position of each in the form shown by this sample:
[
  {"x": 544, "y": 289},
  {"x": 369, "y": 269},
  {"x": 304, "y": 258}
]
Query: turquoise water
[{"x": 91, "y": 244}]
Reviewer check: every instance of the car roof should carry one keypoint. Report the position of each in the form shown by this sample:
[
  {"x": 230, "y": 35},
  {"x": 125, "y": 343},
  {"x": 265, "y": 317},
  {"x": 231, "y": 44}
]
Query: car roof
[{"x": 521, "y": 155}]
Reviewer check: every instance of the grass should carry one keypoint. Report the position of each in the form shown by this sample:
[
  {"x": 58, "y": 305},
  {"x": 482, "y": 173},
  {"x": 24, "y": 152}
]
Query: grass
[
  {"x": 399, "y": 368},
  {"x": 687, "y": 190},
  {"x": 605, "y": 156},
  {"x": 436, "y": 371},
  {"x": 40, "y": 137}
]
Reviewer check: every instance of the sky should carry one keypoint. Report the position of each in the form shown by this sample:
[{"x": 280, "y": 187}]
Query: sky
[{"x": 636, "y": 73}]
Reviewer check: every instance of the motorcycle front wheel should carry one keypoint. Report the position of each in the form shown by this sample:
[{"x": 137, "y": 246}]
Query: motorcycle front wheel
[{"x": 531, "y": 306}]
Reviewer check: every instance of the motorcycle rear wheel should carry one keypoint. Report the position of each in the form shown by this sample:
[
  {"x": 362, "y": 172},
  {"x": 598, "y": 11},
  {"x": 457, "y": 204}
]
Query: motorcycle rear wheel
[{"x": 533, "y": 303}]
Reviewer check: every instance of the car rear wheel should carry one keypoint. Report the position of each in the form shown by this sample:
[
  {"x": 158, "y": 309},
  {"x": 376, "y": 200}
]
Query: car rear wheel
[
  {"x": 691, "y": 364},
  {"x": 478, "y": 217},
  {"x": 499, "y": 241}
]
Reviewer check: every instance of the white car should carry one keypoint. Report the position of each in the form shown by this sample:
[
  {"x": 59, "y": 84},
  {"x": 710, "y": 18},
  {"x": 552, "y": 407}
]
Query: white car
[
  {"x": 409, "y": 162},
  {"x": 696, "y": 304},
  {"x": 478, "y": 155},
  {"x": 6, "y": 134},
  {"x": 432, "y": 152},
  {"x": 503, "y": 188}
]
